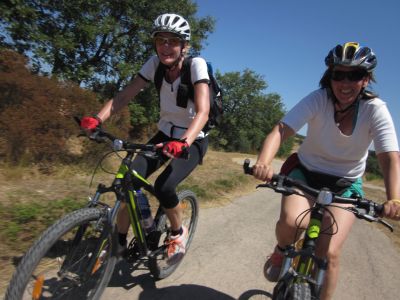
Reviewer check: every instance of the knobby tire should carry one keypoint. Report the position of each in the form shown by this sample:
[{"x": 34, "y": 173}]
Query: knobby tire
[
  {"x": 158, "y": 265},
  {"x": 56, "y": 266}
]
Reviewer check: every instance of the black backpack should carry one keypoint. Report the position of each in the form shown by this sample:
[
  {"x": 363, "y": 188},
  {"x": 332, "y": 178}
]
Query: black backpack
[{"x": 186, "y": 91}]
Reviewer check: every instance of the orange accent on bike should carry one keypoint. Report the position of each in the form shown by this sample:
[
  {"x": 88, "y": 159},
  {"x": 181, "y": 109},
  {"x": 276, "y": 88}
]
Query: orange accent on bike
[
  {"x": 37, "y": 287},
  {"x": 96, "y": 265}
]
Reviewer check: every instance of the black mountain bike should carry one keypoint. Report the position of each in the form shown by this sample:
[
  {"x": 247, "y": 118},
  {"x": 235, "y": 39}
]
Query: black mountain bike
[
  {"x": 302, "y": 273},
  {"x": 75, "y": 257}
]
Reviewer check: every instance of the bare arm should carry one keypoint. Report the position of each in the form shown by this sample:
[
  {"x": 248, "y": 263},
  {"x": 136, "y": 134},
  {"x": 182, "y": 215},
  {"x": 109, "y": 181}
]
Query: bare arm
[
  {"x": 202, "y": 106},
  {"x": 390, "y": 166},
  {"x": 122, "y": 98},
  {"x": 262, "y": 169}
]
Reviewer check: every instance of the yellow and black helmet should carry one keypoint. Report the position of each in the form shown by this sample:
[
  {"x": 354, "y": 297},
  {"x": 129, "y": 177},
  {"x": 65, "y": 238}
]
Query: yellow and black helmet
[{"x": 351, "y": 54}]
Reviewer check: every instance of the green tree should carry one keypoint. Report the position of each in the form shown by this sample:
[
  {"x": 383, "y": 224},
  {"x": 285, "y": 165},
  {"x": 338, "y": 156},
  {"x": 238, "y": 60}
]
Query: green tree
[
  {"x": 373, "y": 165},
  {"x": 95, "y": 43},
  {"x": 249, "y": 113}
]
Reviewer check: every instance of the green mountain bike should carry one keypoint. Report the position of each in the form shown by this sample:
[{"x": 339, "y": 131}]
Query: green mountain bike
[
  {"x": 302, "y": 274},
  {"x": 75, "y": 257}
]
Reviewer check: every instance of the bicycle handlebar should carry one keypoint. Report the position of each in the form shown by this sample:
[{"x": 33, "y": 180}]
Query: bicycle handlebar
[
  {"x": 363, "y": 208},
  {"x": 99, "y": 135}
]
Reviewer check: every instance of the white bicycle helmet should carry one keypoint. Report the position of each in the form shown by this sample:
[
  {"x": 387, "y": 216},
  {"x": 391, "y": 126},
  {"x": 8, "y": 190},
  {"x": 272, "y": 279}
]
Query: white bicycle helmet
[
  {"x": 172, "y": 23},
  {"x": 352, "y": 54}
]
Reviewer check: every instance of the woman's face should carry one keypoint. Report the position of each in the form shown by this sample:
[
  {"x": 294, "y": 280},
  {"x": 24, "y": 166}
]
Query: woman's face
[
  {"x": 347, "y": 82},
  {"x": 168, "y": 47}
]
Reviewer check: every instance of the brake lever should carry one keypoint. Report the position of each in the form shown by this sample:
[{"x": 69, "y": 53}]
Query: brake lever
[
  {"x": 362, "y": 214},
  {"x": 385, "y": 223},
  {"x": 96, "y": 136}
]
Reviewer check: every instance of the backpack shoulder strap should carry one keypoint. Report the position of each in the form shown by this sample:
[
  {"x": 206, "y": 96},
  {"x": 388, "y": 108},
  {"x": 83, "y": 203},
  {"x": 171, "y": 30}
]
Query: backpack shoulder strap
[
  {"x": 186, "y": 76},
  {"x": 159, "y": 76}
]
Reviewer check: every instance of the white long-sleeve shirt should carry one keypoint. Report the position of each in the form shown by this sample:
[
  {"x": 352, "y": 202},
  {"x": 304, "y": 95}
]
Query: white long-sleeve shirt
[{"x": 326, "y": 149}]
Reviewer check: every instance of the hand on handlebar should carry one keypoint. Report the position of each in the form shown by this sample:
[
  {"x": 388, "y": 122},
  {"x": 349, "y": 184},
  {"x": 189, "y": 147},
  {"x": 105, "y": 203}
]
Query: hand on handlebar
[
  {"x": 89, "y": 124},
  {"x": 175, "y": 149},
  {"x": 263, "y": 171},
  {"x": 391, "y": 209}
]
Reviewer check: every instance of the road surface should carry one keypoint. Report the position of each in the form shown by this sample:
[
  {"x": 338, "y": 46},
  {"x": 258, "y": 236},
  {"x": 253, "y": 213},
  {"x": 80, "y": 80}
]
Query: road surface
[{"x": 226, "y": 258}]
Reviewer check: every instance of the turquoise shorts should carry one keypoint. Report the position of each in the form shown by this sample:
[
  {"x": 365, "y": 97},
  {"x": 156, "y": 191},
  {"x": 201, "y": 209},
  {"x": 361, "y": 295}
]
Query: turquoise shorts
[{"x": 354, "y": 189}]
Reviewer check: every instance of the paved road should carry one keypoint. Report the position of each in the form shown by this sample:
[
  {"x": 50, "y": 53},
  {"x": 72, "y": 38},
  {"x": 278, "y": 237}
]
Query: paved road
[{"x": 227, "y": 255}]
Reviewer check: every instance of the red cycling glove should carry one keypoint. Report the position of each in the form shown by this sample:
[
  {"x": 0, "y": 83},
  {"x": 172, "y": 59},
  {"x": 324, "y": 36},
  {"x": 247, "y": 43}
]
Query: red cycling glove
[
  {"x": 176, "y": 148},
  {"x": 90, "y": 123}
]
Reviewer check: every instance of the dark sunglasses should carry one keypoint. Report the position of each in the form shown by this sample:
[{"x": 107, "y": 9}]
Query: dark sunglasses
[
  {"x": 173, "y": 41},
  {"x": 355, "y": 75}
]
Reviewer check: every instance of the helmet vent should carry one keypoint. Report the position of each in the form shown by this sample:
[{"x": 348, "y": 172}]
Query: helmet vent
[{"x": 349, "y": 52}]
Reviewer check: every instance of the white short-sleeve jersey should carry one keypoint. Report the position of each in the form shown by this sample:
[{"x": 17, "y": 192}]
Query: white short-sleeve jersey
[
  {"x": 174, "y": 120},
  {"x": 326, "y": 149}
]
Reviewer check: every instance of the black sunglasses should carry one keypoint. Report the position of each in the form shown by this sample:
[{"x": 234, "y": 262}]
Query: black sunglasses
[{"x": 355, "y": 75}]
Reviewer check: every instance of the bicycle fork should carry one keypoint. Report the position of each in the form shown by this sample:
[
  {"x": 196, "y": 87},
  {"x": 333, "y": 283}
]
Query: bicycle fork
[{"x": 309, "y": 267}]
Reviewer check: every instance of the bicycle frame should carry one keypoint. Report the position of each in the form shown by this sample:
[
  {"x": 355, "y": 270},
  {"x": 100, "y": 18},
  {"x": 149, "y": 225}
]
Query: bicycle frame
[
  {"x": 125, "y": 185},
  {"x": 305, "y": 268}
]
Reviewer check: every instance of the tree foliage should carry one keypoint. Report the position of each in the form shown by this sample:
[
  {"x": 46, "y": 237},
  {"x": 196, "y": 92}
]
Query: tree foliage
[
  {"x": 249, "y": 113},
  {"x": 373, "y": 165},
  {"x": 36, "y": 113},
  {"x": 95, "y": 43}
]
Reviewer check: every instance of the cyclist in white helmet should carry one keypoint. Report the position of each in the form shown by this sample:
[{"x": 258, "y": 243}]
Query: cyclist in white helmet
[
  {"x": 179, "y": 128},
  {"x": 343, "y": 118}
]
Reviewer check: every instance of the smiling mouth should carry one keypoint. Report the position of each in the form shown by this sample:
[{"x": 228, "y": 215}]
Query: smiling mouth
[{"x": 346, "y": 91}]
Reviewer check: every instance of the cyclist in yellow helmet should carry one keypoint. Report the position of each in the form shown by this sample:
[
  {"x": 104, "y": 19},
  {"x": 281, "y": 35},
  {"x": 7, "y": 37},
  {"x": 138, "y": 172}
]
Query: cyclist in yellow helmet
[{"x": 343, "y": 118}]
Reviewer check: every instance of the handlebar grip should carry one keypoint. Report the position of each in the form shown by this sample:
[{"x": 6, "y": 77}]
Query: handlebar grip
[
  {"x": 379, "y": 208},
  {"x": 77, "y": 120},
  {"x": 246, "y": 167}
]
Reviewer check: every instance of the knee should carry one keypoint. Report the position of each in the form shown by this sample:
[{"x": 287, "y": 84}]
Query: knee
[
  {"x": 333, "y": 256},
  {"x": 286, "y": 222},
  {"x": 166, "y": 195}
]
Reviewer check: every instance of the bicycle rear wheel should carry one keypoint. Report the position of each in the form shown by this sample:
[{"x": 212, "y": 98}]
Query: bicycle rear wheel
[
  {"x": 158, "y": 264},
  {"x": 73, "y": 259}
]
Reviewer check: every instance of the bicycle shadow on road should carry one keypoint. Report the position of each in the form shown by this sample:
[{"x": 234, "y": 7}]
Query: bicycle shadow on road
[
  {"x": 123, "y": 277},
  {"x": 184, "y": 292}
]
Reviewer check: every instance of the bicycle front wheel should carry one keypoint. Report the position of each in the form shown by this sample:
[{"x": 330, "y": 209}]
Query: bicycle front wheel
[
  {"x": 299, "y": 291},
  {"x": 73, "y": 259},
  {"x": 158, "y": 259}
]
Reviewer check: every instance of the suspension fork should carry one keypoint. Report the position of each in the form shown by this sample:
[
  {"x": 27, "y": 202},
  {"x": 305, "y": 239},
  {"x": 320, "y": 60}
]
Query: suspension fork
[{"x": 308, "y": 262}]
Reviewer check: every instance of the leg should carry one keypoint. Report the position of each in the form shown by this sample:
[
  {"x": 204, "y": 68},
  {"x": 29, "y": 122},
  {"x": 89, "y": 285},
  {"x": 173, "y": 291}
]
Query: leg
[
  {"x": 145, "y": 167},
  {"x": 123, "y": 220},
  {"x": 175, "y": 173},
  {"x": 291, "y": 217},
  {"x": 291, "y": 209},
  {"x": 165, "y": 188},
  {"x": 174, "y": 215},
  {"x": 330, "y": 246}
]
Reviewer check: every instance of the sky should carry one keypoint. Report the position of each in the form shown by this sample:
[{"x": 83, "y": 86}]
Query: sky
[{"x": 286, "y": 42}]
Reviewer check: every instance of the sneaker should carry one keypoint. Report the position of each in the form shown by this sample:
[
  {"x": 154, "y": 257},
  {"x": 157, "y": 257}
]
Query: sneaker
[
  {"x": 176, "y": 246},
  {"x": 273, "y": 265}
]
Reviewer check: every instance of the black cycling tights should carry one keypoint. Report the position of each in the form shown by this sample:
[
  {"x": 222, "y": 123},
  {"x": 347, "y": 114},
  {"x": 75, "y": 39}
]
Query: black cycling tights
[{"x": 176, "y": 171}]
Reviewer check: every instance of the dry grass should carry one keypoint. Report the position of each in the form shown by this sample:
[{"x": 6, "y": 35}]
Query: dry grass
[{"x": 216, "y": 182}]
